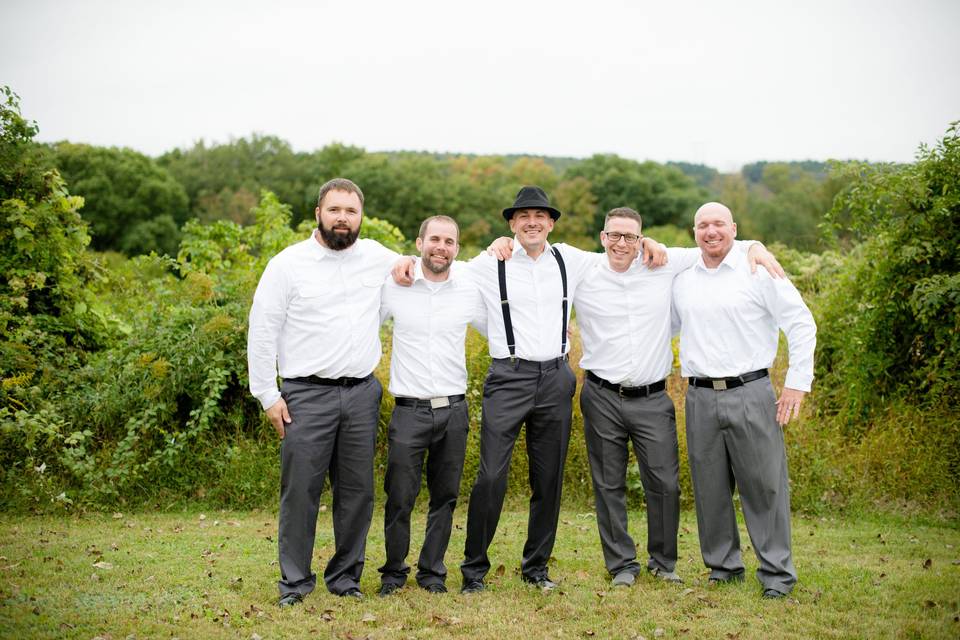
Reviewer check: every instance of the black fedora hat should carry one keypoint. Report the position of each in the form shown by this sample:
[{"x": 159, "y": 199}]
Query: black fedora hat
[{"x": 531, "y": 197}]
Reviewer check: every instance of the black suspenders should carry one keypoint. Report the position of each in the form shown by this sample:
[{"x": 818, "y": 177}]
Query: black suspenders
[{"x": 505, "y": 304}]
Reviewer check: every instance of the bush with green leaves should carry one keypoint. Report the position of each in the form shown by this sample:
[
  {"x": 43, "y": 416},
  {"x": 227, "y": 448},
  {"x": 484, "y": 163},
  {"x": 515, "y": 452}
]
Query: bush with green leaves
[{"x": 894, "y": 310}]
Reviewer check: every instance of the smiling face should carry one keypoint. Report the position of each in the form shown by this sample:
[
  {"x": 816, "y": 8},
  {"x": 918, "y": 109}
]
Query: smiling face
[
  {"x": 531, "y": 226},
  {"x": 338, "y": 219},
  {"x": 715, "y": 232},
  {"x": 438, "y": 248},
  {"x": 621, "y": 253}
]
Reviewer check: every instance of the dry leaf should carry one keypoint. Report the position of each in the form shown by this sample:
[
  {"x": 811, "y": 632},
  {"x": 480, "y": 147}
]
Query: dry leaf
[
  {"x": 658, "y": 632},
  {"x": 500, "y": 571},
  {"x": 927, "y": 563},
  {"x": 117, "y": 516},
  {"x": 368, "y": 618},
  {"x": 103, "y": 565},
  {"x": 203, "y": 516}
]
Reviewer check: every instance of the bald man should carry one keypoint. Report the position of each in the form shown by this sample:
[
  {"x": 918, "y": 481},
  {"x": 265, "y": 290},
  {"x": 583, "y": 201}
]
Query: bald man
[{"x": 730, "y": 322}]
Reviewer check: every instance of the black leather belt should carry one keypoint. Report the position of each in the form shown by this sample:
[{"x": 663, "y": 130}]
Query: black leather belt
[
  {"x": 628, "y": 392},
  {"x": 433, "y": 403},
  {"x": 331, "y": 382},
  {"x": 722, "y": 384}
]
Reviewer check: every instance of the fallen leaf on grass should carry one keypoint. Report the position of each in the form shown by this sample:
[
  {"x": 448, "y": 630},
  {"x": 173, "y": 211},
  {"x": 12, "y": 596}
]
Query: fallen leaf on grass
[
  {"x": 927, "y": 563},
  {"x": 686, "y": 592},
  {"x": 441, "y": 621},
  {"x": 929, "y": 604},
  {"x": 118, "y": 516},
  {"x": 368, "y": 618},
  {"x": 658, "y": 632},
  {"x": 500, "y": 571},
  {"x": 589, "y": 632},
  {"x": 256, "y": 636},
  {"x": 203, "y": 516},
  {"x": 327, "y": 615},
  {"x": 103, "y": 565}
]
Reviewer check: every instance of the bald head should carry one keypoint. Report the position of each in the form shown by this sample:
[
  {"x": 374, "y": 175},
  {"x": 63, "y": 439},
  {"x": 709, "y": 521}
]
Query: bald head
[
  {"x": 715, "y": 231},
  {"x": 713, "y": 208}
]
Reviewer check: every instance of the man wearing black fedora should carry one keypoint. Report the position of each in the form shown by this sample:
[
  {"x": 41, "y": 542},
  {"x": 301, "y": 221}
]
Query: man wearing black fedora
[{"x": 529, "y": 383}]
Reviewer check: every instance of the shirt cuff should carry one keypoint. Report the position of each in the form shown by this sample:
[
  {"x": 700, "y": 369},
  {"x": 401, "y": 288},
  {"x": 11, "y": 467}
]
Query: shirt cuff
[
  {"x": 268, "y": 399},
  {"x": 798, "y": 381}
]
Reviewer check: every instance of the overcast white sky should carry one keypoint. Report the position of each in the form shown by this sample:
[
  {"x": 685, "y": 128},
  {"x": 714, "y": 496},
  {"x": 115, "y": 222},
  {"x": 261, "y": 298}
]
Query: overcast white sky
[{"x": 722, "y": 83}]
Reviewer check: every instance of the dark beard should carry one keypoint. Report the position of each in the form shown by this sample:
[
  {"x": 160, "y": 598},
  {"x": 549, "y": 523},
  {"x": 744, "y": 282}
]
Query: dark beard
[
  {"x": 337, "y": 241},
  {"x": 429, "y": 266}
]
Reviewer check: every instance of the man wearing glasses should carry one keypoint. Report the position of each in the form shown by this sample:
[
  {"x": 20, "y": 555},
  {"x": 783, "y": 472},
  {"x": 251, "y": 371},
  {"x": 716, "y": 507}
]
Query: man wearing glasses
[{"x": 623, "y": 310}]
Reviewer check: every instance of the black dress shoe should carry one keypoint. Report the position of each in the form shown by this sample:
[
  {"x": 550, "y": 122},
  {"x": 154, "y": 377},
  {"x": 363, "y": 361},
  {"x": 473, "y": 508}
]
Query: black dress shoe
[
  {"x": 541, "y": 582},
  {"x": 290, "y": 600},
  {"x": 388, "y": 588},
  {"x": 773, "y": 594},
  {"x": 436, "y": 587},
  {"x": 472, "y": 586},
  {"x": 352, "y": 592},
  {"x": 730, "y": 579}
]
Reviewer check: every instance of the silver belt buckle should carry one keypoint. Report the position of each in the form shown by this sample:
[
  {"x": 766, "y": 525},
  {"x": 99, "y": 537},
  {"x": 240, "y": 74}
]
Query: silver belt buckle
[
  {"x": 719, "y": 385},
  {"x": 437, "y": 403}
]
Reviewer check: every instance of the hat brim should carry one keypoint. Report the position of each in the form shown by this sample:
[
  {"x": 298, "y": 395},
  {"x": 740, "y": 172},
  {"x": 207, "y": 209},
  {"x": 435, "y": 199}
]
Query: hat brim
[{"x": 509, "y": 211}]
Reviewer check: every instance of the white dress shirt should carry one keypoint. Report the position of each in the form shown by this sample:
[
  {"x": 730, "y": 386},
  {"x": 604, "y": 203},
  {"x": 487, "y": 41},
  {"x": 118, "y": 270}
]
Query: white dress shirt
[
  {"x": 730, "y": 322},
  {"x": 624, "y": 318},
  {"x": 535, "y": 291},
  {"x": 429, "y": 328},
  {"x": 316, "y": 312}
]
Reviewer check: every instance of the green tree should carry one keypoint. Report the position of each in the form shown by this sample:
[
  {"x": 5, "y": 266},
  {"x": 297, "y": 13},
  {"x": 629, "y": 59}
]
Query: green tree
[
  {"x": 892, "y": 319},
  {"x": 661, "y": 194},
  {"x": 132, "y": 204}
]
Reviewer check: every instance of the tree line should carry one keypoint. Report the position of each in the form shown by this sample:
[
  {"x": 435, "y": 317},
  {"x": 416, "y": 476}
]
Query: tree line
[{"x": 136, "y": 204}]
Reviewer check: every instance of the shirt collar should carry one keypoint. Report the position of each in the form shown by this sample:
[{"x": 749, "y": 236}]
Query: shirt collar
[
  {"x": 418, "y": 274},
  {"x": 320, "y": 252},
  {"x": 518, "y": 249},
  {"x": 636, "y": 264},
  {"x": 732, "y": 260}
]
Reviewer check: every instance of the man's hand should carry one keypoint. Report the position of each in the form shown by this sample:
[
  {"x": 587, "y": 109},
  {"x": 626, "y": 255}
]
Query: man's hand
[
  {"x": 501, "y": 248},
  {"x": 402, "y": 271},
  {"x": 654, "y": 253},
  {"x": 758, "y": 254},
  {"x": 279, "y": 416},
  {"x": 788, "y": 406}
]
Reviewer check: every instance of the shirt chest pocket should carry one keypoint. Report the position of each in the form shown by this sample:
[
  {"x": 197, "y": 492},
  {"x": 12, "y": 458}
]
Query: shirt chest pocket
[{"x": 318, "y": 297}]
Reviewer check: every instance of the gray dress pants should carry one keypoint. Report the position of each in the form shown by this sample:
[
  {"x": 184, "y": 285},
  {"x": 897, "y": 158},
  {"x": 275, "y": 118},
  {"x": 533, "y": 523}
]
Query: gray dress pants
[
  {"x": 440, "y": 435},
  {"x": 538, "y": 395},
  {"x": 612, "y": 422},
  {"x": 333, "y": 429},
  {"x": 734, "y": 441}
]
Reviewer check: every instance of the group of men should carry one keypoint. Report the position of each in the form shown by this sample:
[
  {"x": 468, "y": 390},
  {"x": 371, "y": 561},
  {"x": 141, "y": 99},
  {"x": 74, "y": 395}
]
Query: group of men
[{"x": 315, "y": 322}]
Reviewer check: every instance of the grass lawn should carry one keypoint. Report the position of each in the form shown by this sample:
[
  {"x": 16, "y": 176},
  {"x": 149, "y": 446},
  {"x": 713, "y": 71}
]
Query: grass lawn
[{"x": 213, "y": 575}]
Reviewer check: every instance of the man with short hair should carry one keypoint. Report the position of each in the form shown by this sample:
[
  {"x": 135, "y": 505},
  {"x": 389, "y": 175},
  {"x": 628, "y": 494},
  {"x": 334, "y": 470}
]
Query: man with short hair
[
  {"x": 730, "y": 322},
  {"x": 623, "y": 311},
  {"x": 428, "y": 378},
  {"x": 529, "y": 384},
  {"x": 315, "y": 321}
]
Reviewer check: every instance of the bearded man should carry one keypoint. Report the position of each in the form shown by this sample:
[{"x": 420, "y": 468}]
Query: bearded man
[{"x": 315, "y": 321}]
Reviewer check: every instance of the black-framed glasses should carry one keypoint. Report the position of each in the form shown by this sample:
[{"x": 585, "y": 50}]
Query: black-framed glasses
[{"x": 614, "y": 237}]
